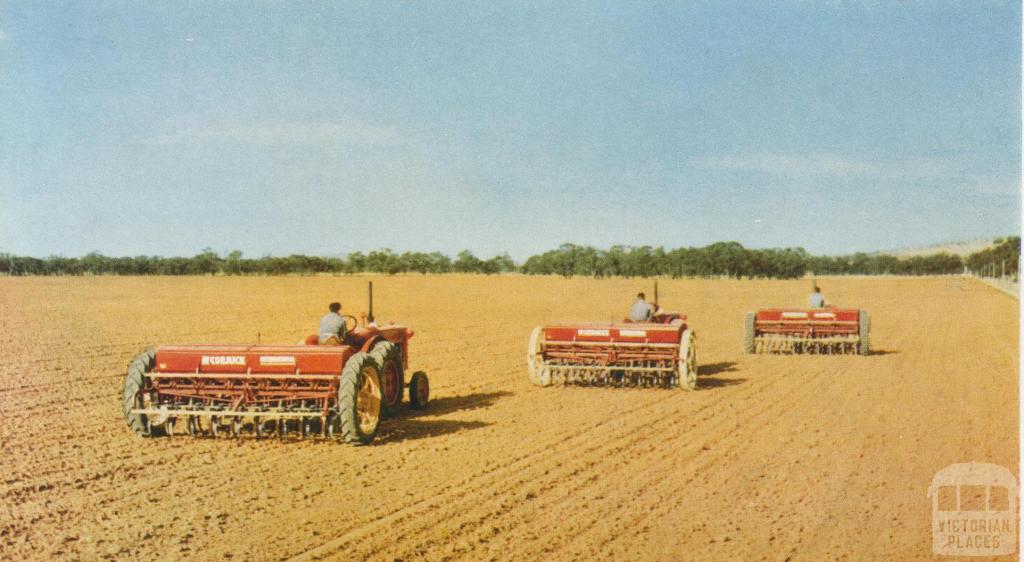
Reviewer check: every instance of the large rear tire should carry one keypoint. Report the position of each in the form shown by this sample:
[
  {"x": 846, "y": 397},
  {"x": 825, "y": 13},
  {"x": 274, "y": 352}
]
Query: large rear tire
[
  {"x": 134, "y": 387},
  {"x": 419, "y": 390},
  {"x": 540, "y": 375},
  {"x": 389, "y": 357},
  {"x": 687, "y": 373},
  {"x": 864, "y": 345},
  {"x": 749, "y": 324},
  {"x": 359, "y": 400}
]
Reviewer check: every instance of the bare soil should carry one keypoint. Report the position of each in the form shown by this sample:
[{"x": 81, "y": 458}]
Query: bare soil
[{"x": 772, "y": 457}]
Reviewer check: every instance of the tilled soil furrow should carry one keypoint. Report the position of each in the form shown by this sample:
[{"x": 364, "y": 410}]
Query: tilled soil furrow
[
  {"x": 562, "y": 446},
  {"x": 772, "y": 457}
]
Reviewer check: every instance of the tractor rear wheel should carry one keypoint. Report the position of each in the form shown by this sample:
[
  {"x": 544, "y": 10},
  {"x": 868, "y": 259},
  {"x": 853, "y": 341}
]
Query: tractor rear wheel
[
  {"x": 419, "y": 390},
  {"x": 359, "y": 400},
  {"x": 540, "y": 375},
  {"x": 389, "y": 357},
  {"x": 748, "y": 332},
  {"x": 686, "y": 375},
  {"x": 134, "y": 388},
  {"x": 865, "y": 331}
]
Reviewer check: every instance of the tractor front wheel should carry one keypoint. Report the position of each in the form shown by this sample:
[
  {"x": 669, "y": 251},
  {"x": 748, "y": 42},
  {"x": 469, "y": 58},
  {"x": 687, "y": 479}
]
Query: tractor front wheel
[{"x": 419, "y": 390}]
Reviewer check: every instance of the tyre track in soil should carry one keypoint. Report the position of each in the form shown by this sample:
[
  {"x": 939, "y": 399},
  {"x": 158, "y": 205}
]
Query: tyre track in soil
[
  {"x": 903, "y": 529},
  {"x": 666, "y": 499},
  {"x": 267, "y": 460},
  {"x": 589, "y": 496},
  {"x": 60, "y": 382},
  {"x": 175, "y": 451},
  {"x": 557, "y": 439},
  {"x": 559, "y": 447},
  {"x": 583, "y": 537},
  {"x": 862, "y": 445},
  {"x": 654, "y": 498},
  {"x": 595, "y": 463},
  {"x": 98, "y": 398}
]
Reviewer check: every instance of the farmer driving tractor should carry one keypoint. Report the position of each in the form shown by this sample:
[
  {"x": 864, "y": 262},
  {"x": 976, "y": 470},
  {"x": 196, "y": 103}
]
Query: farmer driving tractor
[{"x": 332, "y": 329}]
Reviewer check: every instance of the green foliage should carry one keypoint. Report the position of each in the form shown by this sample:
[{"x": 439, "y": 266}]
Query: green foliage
[
  {"x": 466, "y": 262},
  {"x": 990, "y": 262},
  {"x": 721, "y": 259},
  {"x": 884, "y": 264}
]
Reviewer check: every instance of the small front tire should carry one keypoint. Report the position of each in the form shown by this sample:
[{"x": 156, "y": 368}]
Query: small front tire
[{"x": 419, "y": 390}]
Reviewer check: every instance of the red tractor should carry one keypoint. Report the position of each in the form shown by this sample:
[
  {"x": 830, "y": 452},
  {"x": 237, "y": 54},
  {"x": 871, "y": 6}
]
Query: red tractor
[
  {"x": 659, "y": 352},
  {"x": 330, "y": 390},
  {"x": 828, "y": 330}
]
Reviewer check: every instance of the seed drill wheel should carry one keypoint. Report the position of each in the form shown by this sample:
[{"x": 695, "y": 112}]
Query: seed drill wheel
[
  {"x": 540, "y": 375},
  {"x": 865, "y": 331},
  {"x": 389, "y": 357},
  {"x": 359, "y": 400},
  {"x": 134, "y": 394},
  {"x": 419, "y": 390},
  {"x": 748, "y": 332},
  {"x": 687, "y": 374}
]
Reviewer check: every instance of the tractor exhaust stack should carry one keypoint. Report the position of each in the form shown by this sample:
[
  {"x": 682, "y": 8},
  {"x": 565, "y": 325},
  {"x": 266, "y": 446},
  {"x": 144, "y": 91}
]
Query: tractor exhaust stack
[{"x": 369, "y": 316}]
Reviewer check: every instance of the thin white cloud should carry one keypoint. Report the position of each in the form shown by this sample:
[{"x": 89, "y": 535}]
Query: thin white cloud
[
  {"x": 994, "y": 186},
  {"x": 3, "y": 35},
  {"x": 283, "y": 134},
  {"x": 788, "y": 165},
  {"x": 930, "y": 172}
]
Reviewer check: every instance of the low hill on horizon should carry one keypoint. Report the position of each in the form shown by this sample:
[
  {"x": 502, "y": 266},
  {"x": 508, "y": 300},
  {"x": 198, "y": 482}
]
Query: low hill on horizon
[{"x": 962, "y": 248}]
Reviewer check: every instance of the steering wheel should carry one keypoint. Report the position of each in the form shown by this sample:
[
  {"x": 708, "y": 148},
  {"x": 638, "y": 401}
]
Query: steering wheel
[{"x": 355, "y": 322}]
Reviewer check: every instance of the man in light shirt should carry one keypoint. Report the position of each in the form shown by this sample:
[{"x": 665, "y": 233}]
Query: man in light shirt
[
  {"x": 332, "y": 326},
  {"x": 640, "y": 311},
  {"x": 816, "y": 300}
]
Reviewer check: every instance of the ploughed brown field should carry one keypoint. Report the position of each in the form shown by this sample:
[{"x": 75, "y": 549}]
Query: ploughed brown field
[{"x": 775, "y": 457}]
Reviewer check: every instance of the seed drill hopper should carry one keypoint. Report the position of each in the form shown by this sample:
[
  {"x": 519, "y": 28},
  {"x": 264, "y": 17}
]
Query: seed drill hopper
[
  {"x": 332, "y": 391},
  {"x": 832, "y": 331},
  {"x": 660, "y": 352}
]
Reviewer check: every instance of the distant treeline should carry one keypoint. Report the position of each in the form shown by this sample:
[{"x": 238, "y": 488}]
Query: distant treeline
[
  {"x": 722, "y": 259},
  {"x": 209, "y": 262},
  {"x": 730, "y": 259},
  {"x": 990, "y": 262}
]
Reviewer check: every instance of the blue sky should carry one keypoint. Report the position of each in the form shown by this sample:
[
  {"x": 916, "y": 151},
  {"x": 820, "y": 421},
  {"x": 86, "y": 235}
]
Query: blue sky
[{"x": 324, "y": 128}]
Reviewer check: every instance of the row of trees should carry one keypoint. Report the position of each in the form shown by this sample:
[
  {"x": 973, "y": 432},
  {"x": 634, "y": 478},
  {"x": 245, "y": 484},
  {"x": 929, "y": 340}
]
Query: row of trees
[
  {"x": 730, "y": 259},
  {"x": 884, "y": 264},
  {"x": 209, "y": 262},
  {"x": 722, "y": 259},
  {"x": 1003, "y": 258}
]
